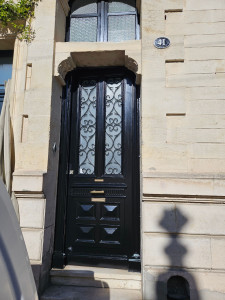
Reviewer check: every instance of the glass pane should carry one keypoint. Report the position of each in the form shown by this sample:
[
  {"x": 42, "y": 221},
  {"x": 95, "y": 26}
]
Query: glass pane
[
  {"x": 121, "y": 28},
  {"x": 83, "y": 29},
  {"x": 113, "y": 126},
  {"x": 5, "y": 68},
  {"x": 122, "y": 6},
  {"x": 87, "y": 127},
  {"x": 84, "y": 7}
]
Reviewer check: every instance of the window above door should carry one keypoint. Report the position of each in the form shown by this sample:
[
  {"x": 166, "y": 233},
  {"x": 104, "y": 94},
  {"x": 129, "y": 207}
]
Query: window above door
[{"x": 101, "y": 21}]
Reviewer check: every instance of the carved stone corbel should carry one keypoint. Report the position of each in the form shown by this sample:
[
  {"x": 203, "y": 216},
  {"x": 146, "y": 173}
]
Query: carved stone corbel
[
  {"x": 65, "y": 66},
  {"x": 131, "y": 64}
]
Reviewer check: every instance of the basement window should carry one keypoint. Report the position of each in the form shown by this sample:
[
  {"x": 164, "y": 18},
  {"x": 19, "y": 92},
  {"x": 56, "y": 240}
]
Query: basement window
[
  {"x": 178, "y": 288},
  {"x": 101, "y": 21}
]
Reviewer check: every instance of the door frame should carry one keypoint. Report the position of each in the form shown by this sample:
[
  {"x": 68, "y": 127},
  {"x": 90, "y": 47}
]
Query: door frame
[{"x": 59, "y": 257}]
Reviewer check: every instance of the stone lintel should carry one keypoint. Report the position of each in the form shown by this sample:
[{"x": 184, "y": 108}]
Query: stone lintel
[{"x": 76, "y": 54}]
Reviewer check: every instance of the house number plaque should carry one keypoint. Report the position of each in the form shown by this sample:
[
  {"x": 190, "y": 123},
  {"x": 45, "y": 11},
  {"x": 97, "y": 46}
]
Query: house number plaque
[{"x": 162, "y": 43}]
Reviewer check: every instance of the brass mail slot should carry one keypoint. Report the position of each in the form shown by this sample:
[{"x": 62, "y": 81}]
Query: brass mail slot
[
  {"x": 98, "y": 180},
  {"x": 98, "y": 199},
  {"x": 97, "y": 192}
]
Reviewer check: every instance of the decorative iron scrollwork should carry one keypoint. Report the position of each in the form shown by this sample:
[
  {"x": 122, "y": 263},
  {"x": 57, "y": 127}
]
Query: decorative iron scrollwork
[
  {"x": 87, "y": 127},
  {"x": 113, "y": 126}
]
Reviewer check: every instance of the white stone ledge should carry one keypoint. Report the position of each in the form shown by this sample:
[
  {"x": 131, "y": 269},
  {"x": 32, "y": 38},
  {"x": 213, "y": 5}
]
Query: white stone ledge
[
  {"x": 28, "y": 181},
  {"x": 181, "y": 200},
  {"x": 183, "y": 235},
  {"x": 207, "y": 186}
]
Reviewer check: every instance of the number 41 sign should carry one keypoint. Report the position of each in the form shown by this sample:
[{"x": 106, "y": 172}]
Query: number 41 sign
[{"x": 162, "y": 43}]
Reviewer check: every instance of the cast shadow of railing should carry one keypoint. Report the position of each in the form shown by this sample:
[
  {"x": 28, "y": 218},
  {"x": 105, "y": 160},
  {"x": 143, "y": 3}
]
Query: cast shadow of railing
[{"x": 176, "y": 283}]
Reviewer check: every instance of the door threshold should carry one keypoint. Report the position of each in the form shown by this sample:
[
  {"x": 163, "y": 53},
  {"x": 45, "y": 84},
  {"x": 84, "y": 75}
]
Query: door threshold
[{"x": 103, "y": 265}]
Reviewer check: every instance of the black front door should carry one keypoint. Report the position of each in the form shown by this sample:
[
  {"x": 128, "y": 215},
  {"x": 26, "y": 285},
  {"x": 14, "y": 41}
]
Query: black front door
[{"x": 102, "y": 187}]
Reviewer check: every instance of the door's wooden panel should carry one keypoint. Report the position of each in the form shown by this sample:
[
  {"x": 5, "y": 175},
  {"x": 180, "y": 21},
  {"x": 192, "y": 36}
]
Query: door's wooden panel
[
  {"x": 85, "y": 211},
  {"x": 85, "y": 234},
  {"x": 110, "y": 235},
  {"x": 110, "y": 212}
]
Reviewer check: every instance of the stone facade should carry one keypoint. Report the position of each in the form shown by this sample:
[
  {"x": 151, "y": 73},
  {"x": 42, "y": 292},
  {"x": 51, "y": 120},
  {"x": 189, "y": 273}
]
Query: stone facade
[
  {"x": 182, "y": 132},
  {"x": 182, "y": 137}
]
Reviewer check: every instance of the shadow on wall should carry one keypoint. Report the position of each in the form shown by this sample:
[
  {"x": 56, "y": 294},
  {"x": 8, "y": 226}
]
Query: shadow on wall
[{"x": 176, "y": 283}]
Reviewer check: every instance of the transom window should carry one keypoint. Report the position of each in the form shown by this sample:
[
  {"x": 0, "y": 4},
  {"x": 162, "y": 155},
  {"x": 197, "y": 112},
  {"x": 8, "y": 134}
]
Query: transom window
[{"x": 108, "y": 20}]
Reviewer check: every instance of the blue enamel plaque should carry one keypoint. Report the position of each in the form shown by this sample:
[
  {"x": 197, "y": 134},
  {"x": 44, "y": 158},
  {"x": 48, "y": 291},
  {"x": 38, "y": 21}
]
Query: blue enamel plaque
[{"x": 162, "y": 43}]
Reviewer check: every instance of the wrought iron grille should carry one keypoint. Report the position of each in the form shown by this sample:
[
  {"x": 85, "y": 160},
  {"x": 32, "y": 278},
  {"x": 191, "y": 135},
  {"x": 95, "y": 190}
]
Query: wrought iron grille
[
  {"x": 113, "y": 126},
  {"x": 87, "y": 127}
]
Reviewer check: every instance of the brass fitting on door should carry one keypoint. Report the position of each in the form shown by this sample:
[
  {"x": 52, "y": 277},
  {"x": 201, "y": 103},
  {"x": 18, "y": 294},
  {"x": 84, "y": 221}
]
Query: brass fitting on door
[{"x": 97, "y": 192}]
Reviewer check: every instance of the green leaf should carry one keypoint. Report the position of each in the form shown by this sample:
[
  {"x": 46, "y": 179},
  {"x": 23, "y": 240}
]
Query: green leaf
[{"x": 11, "y": 13}]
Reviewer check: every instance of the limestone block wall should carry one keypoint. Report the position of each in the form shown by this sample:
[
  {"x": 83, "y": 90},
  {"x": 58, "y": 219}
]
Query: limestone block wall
[
  {"x": 183, "y": 131},
  {"x": 36, "y": 110}
]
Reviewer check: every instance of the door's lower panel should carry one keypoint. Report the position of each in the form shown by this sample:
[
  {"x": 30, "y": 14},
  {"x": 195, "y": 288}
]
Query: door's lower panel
[{"x": 96, "y": 228}]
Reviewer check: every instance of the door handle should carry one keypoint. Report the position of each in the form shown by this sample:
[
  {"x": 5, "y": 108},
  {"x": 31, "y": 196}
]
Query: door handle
[{"x": 97, "y": 192}]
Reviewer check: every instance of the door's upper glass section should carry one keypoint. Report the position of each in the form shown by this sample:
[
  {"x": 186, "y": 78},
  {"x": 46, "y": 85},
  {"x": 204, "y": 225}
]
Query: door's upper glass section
[
  {"x": 87, "y": 127},
  {"x": 108, "y": 20},
  {"x": 100, "y": 123},
  {"x": 113, "y": 126}
]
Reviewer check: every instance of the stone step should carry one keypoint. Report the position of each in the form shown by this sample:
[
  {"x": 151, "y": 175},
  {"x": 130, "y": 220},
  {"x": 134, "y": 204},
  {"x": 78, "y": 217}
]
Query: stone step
[
  {"x": 89, "y": 293},
  {"x": 83, "y": 276}
]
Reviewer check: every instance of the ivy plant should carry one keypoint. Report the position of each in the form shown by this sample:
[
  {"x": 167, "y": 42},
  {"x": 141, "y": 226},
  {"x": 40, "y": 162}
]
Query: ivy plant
[{"x": 16, "y": 17}]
